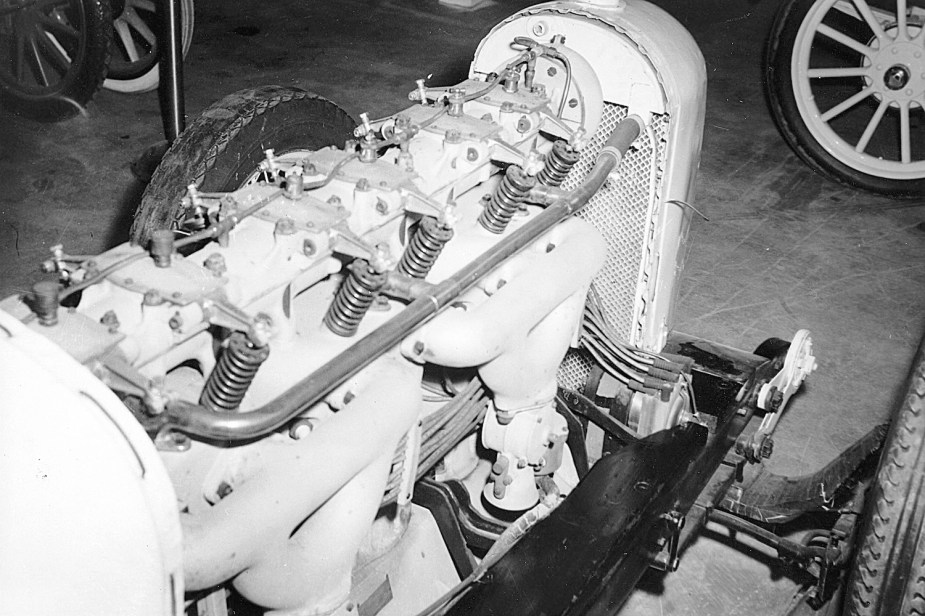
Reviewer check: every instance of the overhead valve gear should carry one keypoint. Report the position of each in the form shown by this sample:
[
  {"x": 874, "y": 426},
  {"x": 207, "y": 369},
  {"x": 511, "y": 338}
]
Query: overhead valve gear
[
  {"x": 506, "y": 199},
  {"x": 354, "y": 298}
]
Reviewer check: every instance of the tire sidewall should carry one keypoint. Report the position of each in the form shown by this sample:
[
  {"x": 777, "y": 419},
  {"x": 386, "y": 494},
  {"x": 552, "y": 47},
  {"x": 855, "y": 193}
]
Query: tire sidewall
[{"x": 222, "y": 148}]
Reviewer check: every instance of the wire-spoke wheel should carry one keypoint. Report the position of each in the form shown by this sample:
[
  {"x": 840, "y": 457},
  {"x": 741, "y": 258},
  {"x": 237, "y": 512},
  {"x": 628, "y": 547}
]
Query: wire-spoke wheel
[
  {"x": 846, "y": 84},
  {"x": 133, "y": 67},
  {"x": 53, "y": 55}
]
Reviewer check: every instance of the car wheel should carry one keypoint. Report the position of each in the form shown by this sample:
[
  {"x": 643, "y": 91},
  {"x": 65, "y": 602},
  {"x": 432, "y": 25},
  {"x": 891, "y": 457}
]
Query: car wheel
[
  {"x": 53, "y": 56},
  {"x": 846, "y": 86}
]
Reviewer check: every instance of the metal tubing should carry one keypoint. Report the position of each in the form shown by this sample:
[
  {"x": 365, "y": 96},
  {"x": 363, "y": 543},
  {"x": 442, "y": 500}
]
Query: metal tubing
[
  {"x": 198, "y": 421},
  {"x": 171, "y": 71}
]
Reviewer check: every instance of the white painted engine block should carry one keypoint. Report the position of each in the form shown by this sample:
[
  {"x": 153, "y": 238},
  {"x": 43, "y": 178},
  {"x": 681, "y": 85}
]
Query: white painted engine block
[{"x": 311, "y": 259}]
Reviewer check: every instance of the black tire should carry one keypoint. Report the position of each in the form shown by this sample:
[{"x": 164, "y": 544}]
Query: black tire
[
  {"x": 221, "y": 149},
  {"x": 888, "y": 577},
  {"x": 827, "y": 145},
  {"x": 53, "y": 56}
]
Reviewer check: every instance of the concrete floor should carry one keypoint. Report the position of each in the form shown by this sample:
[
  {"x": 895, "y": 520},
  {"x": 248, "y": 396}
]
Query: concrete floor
[{"x": 784, "y": 249}]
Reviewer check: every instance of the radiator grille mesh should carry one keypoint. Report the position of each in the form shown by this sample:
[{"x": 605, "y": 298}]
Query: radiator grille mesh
[{"x": 620, "y": 211}]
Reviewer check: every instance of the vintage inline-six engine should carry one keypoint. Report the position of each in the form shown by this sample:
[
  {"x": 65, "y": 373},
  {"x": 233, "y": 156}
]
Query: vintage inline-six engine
[{"x": 302, "y": 350}]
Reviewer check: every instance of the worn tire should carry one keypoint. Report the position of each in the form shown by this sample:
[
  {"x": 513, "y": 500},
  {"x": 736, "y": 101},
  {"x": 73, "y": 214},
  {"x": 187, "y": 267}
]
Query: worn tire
[
  {"x": 82, "y": 29},
  {"x": 822, "y": 150},
  {"x": 223, "y": 147},
  {"x": 888, "y": 577}
]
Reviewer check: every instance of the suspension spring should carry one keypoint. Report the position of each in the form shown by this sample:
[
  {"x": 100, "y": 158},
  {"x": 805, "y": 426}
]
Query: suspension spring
[
  {"x": 506, "y": 200},
  {"x": 559, "y": 161},
  {"x": 233, "y": 374},
  {"x": 353, "y": 299},
  {"x": 424, "y": 248}
]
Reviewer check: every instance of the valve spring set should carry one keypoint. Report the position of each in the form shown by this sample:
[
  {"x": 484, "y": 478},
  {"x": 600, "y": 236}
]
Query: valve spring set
[
  {"x": 424, "y": 248},
  {"x": 559, "y": 161},
  {"x": 233, "y": 374},
  {"x": 353, "y": 299},
  {"x": 506, "y": 199}
]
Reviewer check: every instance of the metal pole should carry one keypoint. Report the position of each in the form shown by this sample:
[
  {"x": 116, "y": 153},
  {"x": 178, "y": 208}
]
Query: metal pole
[{"x": 171, "y": 70}]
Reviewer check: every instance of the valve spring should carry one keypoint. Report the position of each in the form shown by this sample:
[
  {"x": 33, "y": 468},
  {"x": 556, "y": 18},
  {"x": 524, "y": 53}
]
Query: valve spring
[
  {"x": 424, "y": 248},
  {"x": 353, "y": 299},
  {"x": 233, "y": 374},
  {"x": 559, "y": 161},
  {"x": 506, "y": 200}
]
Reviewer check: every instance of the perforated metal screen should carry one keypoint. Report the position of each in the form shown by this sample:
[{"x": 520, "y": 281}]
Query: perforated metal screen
[{"x": 622, "y": 212}]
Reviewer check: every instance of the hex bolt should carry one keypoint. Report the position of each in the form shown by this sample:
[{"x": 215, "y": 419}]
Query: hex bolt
[
  {"x": 152, "y": 298},
  {"x": 162, "y": 247},
  {"x": 215, "y": 263},
  {"x": 308, "y": 248},
  {"x": 45, "y": 302},
  {"x": 456, "y": 99},
  {"x": 175, "y": 322},
  {"x": 523, "y": 124},
  {"x": 453, "y": 136},
  {"x": 111, "y": 321},
  {"x": 382, "y": 207},
  {"x": 766, "y": 448},
  {"x": 300, "y": 429},
  {"x": 362, "y": 184},
  {"x": 295, "y": 184},
  {"x": 285, "y": 226},
  {"x": 775, "y": 399}
]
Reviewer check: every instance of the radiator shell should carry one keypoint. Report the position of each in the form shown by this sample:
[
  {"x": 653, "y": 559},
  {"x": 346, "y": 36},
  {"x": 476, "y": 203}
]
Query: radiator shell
[{"x": 649, "y": 65}]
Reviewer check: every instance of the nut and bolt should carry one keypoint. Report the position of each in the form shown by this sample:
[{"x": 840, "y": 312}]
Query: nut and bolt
[
  {"x": 295, "y": 184},
  {"x": 162, "y": 247},
  {"x": 110, "y": 321},
  {"x": 472, "y": 155},
  {"x": 766, "y": 448},
  {"x": 45, "y": 302},
  {"x": 453, "y": 136},
  {"x": 285, "y": 226},
  {"x": 362, "y": 184},
  {"x": 153, "y": 297},
  {"x": 175, "y": 322},
  {"x": 524, "y": 124},
  {"x": 300, "y": 429},
  {"x": 308, "y": 248},
  {"x": 775, "y": 399},
  {"x": 215, "y": 263}
]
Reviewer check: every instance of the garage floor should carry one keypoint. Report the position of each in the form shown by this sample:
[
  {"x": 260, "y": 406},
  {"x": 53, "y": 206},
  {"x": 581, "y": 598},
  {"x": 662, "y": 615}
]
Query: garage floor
[{"x": 783, "y": 249}]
